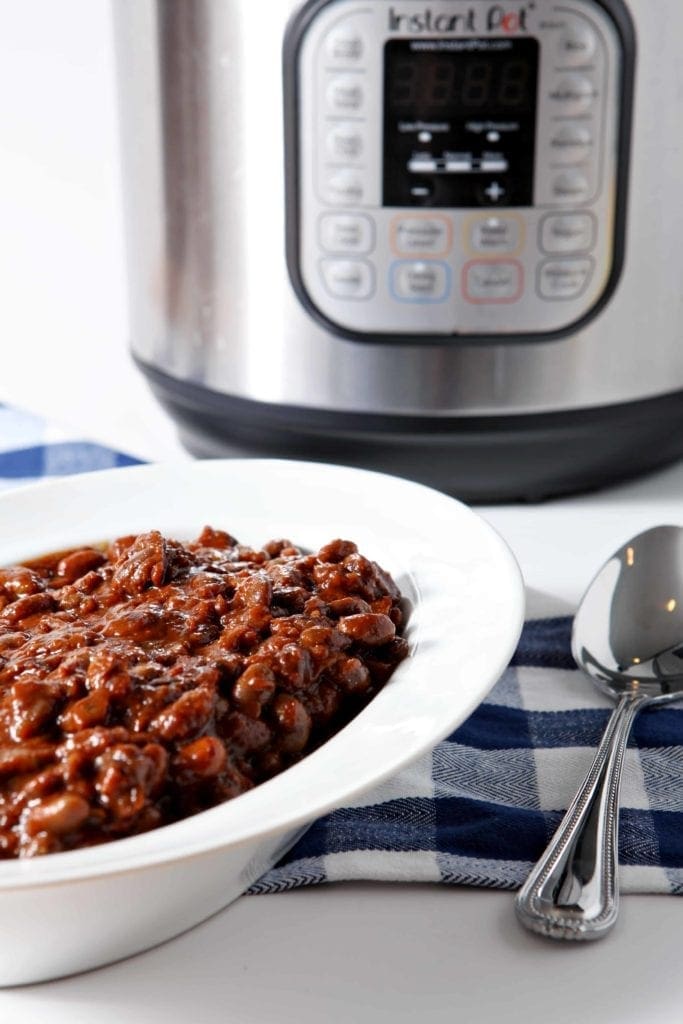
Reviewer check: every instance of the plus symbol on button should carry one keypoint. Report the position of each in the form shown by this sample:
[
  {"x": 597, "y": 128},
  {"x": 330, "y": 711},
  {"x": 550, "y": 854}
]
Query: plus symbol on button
[{"x": 494, "y": 191}]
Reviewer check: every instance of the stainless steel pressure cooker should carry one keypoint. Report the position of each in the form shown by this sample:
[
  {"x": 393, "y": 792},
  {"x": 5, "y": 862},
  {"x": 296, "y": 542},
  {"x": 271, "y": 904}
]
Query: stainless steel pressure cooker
[{"x": 439, "y": 237}]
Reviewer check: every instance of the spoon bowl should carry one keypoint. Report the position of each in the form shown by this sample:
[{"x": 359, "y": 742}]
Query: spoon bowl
[
  {"x": 628, "y": 637},
  {"x": 628, "y": 631}
]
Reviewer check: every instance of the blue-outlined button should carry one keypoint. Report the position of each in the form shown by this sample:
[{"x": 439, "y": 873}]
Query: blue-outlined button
[{"x": 420, "y": 280}]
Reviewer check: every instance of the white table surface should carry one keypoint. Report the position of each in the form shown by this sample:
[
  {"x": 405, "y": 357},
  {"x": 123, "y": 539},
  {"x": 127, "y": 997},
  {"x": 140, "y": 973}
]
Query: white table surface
[{"x": 347, "y": 953}]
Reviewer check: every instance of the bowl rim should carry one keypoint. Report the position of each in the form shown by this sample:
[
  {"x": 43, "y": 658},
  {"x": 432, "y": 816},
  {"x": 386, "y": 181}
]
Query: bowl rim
[{"x": 431, "y": 578}]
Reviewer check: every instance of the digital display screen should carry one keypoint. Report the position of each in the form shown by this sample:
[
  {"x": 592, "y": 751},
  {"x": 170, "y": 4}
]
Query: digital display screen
[{"x": 459, "y": 121}]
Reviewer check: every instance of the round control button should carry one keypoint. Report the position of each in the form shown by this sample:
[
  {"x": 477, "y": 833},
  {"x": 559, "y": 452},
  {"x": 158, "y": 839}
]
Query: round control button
[
  {"x": 564, "y": 279},
  {"x": 567, "y": 232},
  {"x": 495, "y": 234},
  {"x": 571, "y": 144},
  {"x": 570, "y": 187},
  {"x": 345, "y": 95},
  {"x": 420, "y": 281},
  {"x": 576, "y": 45},
  {"x": 345, "y": 142},
  {"x": 344, "y": 187},
  {"x": 348, "y": 279},
  {"x": 492, "y": 281},
  {"x": 347, "y": 233},
  {"x": 344, "y": 46},
  {"x": 573, "y": 95},
  {"x": 429, "y": 235}
]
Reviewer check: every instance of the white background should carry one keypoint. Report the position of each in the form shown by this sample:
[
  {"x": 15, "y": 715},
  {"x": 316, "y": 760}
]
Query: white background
[
  {"x": 62, "y": 270},
  {"x": 350, "y": 953}
]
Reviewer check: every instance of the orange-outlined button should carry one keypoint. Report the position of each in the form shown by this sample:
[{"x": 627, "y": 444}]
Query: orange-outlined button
[
  {"x": 494, "y": 234},
  {"x": 492, "y": 281},
  {"x": 421, "y": 235}
]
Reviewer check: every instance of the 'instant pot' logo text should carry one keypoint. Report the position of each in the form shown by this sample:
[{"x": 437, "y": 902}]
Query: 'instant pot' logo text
[{"x": 497, "y": 18}]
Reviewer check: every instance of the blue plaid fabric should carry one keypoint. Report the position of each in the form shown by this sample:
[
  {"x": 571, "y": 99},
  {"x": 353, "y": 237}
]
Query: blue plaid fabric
[
  {"x": 480, "y": 807},
  {"x": 31, "y": 449}
]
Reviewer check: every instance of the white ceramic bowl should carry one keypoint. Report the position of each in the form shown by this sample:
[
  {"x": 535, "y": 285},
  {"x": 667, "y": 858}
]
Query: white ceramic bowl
[{"x": 66, "y": 912}]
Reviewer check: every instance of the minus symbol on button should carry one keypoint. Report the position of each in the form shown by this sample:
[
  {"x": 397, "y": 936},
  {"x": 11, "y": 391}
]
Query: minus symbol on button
[
  {"x": 419, "y": 190},
  {"x": 422, "y": 166}
]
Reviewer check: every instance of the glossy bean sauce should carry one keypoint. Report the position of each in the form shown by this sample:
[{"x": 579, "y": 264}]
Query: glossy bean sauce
[{"x": 150, "y": 680}]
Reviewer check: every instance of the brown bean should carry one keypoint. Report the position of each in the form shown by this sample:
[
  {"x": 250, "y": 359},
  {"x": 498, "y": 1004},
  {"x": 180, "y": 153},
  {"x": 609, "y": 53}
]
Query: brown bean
[
  {"x": 329, "y": 699},
  {"x": 127, "y": 776},
  {"x": 382, "y": 606},
  {"x": 294, "y": 722},
  {"x": 337, "y": 551},
  {"x": 144, "y": 564},
  {"x": 143, "y": 623},
  {"x": 57, "y": 815},
  {"x": 322, "y": 640},
  {"x": 254, "y": 590},
  {"x": 330, "y": 581},
  {"x": 348, "y": 606},
  {"x": 119, "y": 546},
  {"x": 254, "y": 688},
  {"x": 78, "y": 563},
  {"x": 88, "y": 582},
  {"x": 32, "y": 707},
  {"x": 292, "y": 599},
  {"x": 292, "y": 666},
  {"x": 89, "y": 711},
  {"x": 32, "y": 604},
  {"x": 284, "y": 574},
  {"x": 203, "y": 758},
  {"x": 368, "y": 628},
  {"x": 19, "y": 581},
  {"x": 245, "y": 734},
  {"x": 103, "y": 662},
  {"x": 210, "y": 538},
  {"x": 18, "y": 760},
  {"x": 185, "y": 717},
  {"x": 351, "y": 675},
  {"x": 39, "y": 786},
  {"x": 239, "y": 637},
  {"x": 275, "y": 548}
]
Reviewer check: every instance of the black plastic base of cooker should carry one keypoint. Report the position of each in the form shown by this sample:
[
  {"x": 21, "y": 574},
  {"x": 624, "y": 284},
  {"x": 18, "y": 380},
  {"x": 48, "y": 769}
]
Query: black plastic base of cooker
[{"x": 477, "y": 459}]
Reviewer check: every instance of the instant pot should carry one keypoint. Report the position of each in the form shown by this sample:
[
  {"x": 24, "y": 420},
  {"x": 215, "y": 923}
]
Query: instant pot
[{"x": 439, "y": 237}]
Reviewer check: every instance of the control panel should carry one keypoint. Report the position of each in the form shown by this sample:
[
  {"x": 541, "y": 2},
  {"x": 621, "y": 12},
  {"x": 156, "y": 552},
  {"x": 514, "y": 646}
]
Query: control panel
[{"x": 457, "y": 165}]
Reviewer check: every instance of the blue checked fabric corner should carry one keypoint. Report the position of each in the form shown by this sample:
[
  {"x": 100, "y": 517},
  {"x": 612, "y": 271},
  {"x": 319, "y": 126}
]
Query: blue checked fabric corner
[
  {"x": 31, "y": 449},
  {"x": 480, "y": 807}
]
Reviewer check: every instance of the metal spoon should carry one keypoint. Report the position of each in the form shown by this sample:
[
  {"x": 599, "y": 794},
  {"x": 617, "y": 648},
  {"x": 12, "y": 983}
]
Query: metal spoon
[{"x": 628, "y": 637}]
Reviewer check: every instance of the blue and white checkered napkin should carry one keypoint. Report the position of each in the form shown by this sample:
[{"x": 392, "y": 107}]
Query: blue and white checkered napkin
[
  {"x": 31, "y": 449},
  {"x": 480, "y": 807}
]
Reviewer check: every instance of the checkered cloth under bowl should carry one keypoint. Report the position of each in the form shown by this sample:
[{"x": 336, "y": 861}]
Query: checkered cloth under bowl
[{"x": 481, "y": 806}]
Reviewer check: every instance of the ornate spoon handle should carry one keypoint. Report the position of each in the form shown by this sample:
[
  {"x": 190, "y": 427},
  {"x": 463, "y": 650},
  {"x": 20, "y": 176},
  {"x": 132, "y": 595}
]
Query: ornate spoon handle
[{"x": 573, "y": 892}]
